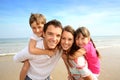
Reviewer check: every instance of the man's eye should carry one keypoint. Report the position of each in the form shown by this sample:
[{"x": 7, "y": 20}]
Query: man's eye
[
  {"x": 58, "y": 36},
  {"x": 63, "y": 38},
  {"x": 49, "y": 33}
]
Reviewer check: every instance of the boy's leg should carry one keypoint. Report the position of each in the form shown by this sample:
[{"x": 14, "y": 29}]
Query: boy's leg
[{"x": 24, "y": 70}]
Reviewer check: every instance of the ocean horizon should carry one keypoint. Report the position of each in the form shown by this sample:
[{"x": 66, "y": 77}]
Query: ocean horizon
[{"x": 14, "y": 45}]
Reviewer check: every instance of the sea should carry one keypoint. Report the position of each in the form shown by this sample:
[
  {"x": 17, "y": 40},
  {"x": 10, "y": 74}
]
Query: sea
[{"x": 14, "y": 45}]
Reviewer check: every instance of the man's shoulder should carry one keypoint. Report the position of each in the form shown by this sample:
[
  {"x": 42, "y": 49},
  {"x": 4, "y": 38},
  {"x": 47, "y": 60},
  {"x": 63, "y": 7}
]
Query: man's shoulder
[{"x": 59, "y": 51}]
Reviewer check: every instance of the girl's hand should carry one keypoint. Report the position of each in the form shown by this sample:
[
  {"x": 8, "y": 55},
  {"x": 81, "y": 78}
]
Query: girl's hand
[{"x": 79, "y": 52}]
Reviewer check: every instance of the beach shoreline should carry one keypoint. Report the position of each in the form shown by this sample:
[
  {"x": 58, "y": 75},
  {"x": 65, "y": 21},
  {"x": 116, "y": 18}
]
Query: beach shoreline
[{"x": 9, "y": 70}]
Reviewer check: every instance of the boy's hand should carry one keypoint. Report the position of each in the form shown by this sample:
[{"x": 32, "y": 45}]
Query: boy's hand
[{"x": 52, "y": 52}]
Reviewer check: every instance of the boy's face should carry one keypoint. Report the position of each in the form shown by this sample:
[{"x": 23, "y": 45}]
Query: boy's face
[
  {"x": 37, "y": 28},
  {"x": 52, "y": 37}
]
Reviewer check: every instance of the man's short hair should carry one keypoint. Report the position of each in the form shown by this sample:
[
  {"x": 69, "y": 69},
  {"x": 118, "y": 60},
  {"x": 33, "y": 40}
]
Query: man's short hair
[{"x": 54, "y": 22}]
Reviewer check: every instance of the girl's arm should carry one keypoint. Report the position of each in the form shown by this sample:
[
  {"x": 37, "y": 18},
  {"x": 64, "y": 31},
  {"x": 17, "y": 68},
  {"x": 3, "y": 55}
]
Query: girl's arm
[
  {"x": 24, "y": 70},
  {"x": 78, "y": 53},
  {"x": 37, "y": 51}
]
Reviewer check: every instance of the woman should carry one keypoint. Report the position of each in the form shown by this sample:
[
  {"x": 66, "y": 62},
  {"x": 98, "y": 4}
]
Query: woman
[{"x": 75, "y": 62}]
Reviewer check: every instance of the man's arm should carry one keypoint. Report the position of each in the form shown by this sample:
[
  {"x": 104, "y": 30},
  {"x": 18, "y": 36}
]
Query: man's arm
[{"x": 22, "y": 55}]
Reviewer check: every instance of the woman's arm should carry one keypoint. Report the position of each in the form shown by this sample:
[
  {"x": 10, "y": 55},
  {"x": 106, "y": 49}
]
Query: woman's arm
[
  {"x": 64, "y": 57},
  {"x": 88, "y": 77}
]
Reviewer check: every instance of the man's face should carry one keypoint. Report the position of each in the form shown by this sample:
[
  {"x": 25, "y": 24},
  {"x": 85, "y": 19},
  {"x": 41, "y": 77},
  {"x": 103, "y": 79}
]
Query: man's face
[{"x": 52, "y": 36}]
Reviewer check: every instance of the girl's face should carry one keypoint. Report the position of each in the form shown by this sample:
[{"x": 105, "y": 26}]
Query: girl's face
[
  {"x": 81, "y": 41},
  {"x": 67, "y": 40}
]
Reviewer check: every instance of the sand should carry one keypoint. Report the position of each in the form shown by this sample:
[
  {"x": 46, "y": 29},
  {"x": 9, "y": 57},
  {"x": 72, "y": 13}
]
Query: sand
[{"x": 110, "y": 64}]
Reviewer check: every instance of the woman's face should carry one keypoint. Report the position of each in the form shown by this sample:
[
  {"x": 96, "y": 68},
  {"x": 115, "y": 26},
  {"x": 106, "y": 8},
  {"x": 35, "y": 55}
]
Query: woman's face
[{"x": 67, "y": 40}]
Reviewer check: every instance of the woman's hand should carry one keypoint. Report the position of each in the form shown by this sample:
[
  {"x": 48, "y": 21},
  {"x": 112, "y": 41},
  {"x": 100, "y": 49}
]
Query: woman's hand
[{"x": 70, "y": 77}]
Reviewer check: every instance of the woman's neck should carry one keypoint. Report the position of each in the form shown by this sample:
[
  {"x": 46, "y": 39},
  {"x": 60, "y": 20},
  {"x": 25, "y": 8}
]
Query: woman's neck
[{"x": 66, "y": 51}]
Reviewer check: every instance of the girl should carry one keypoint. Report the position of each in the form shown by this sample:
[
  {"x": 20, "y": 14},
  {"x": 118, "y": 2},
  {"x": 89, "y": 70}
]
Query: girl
[
  {"x": 83, "y": 40},
  {"x": 76, "y": 66}
]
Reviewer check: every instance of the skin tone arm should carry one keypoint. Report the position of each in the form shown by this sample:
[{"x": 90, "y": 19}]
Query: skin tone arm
[
  {"x": 78, "y": 53},
  {"x": 33, "y": 50},
  {"x": 70, "y": 76},
  {"x": 65, "y": 61},
  {"x": 88, "y": 78},
  {"x": 24, "y": 70},
  {"x": 37, "y": 51}
]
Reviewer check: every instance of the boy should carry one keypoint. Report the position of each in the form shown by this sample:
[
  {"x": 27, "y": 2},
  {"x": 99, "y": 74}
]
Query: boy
[{"x": 36, "y": 22}]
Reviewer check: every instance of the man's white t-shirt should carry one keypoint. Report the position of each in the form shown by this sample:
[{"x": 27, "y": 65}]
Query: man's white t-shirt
[{"x": 40, "y": 65}]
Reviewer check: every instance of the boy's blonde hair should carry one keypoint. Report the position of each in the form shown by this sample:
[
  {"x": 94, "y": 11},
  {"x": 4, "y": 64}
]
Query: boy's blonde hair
[{"x": 38, "y": 18}]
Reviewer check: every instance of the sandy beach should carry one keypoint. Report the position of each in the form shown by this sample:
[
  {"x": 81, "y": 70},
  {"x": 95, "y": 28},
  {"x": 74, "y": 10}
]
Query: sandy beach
[{"x": 9, "y": 70}]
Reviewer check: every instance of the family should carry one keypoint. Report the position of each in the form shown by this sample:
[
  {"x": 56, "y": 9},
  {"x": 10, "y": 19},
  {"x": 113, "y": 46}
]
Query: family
[{"x": 49, "y": 42}]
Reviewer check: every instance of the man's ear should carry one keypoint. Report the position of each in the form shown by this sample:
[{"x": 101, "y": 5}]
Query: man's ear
[{"x": 43, "y": 34}]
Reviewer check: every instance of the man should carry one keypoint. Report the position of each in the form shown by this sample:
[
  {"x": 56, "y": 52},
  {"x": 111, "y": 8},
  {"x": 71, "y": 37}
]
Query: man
[{"x": 42, "y": 65}]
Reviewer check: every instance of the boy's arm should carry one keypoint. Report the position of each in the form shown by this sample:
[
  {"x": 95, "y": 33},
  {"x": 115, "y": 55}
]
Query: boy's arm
[{"x": 37, "y": 51}]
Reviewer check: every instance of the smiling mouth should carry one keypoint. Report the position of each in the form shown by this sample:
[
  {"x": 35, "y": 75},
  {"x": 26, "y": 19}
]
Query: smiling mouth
[
  {"x": 52, "y": 44},
  {"x": 65, "y": 46}
]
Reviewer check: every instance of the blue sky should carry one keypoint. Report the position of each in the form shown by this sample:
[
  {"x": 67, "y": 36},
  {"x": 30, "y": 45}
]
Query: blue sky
[{"x": 101, "y": 17}]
